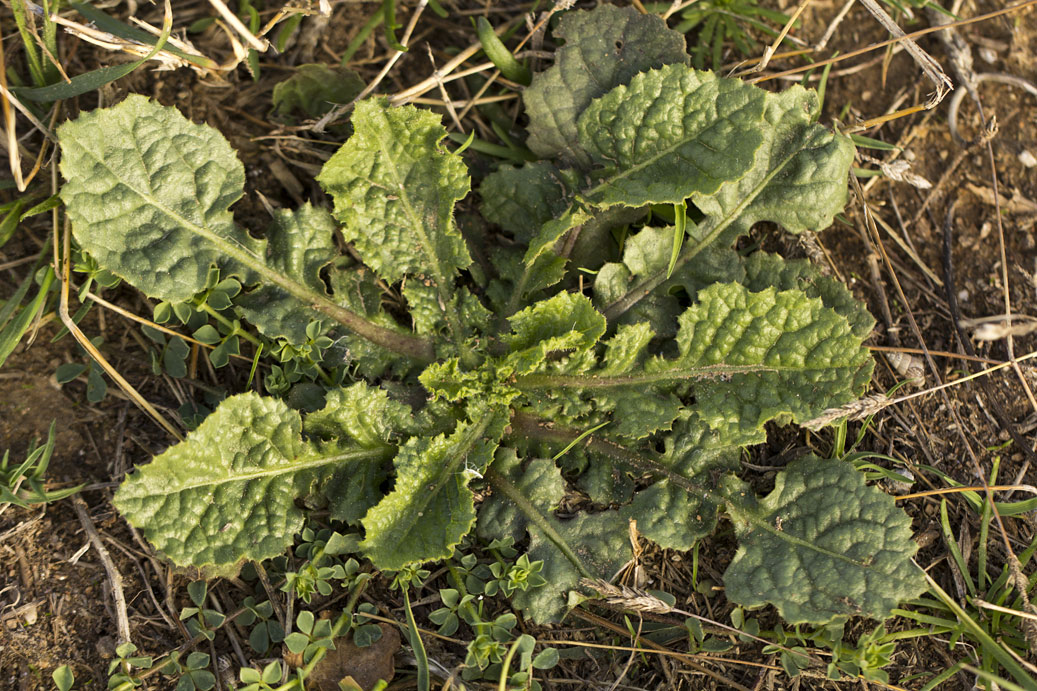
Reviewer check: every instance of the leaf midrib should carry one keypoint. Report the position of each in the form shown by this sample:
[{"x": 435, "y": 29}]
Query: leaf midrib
[
  {"x": 646, "y": 162},
  {"x": 645, "y": 287},
  {"x": 295, "y": 466}
]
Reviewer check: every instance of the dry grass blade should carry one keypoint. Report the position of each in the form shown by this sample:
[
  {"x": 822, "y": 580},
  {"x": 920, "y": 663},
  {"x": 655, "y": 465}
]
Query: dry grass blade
[{"x": 82, "y": 340}]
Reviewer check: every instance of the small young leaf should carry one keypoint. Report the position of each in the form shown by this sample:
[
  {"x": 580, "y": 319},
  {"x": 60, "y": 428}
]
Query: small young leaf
[
  {"x": 566, "y": 322},
  {"x": 315, "y": 89},
  {"x": 822, "y": 545},
  {"x": 431, "y": 508}
]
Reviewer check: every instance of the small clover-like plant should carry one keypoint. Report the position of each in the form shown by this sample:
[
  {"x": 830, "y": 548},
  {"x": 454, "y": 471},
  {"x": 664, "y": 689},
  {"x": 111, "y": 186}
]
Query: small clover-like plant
[{"x": 495, "y": 376}]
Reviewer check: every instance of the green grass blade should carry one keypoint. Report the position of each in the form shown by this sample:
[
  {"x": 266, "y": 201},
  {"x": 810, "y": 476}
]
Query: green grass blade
[
  {"x": 680, "y": 224},
  {"x": 988, "y": 644},
  {"x": 13, "y": 332},
  {"x": 95, "y": 79}
]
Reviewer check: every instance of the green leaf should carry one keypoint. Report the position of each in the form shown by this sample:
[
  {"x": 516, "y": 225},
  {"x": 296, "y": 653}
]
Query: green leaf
[
  {"x": 227, "y": 493},
  {"x": 602, "y": 49},
  {"x": 798, "y": 180},
  {"x": 566, "y": 322},
  {"x": 315, "y": 88},
  {"x": 364, "y": 414},
  {"x": 299, "y": 244},
  {"x": 586, "y": 546},
  {"x": 394, "y": 188},
  {"x": 763, "y": 270},
  {"x": 764, "y": 356},
  {"x": 670, "y": 134},
  {"x": 148, "y": 195},
  {"x": 822, "y": 545},
  {"x": 431, "y": 507},
  {"x": 646, "y": 254},
  {"x": 521, "y": 200},
  {"x": 671, "y": 516}
]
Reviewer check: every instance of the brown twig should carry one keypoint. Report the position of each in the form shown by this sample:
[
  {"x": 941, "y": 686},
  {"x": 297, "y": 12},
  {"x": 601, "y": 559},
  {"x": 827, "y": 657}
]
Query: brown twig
[{"x": 122, "y": 621}]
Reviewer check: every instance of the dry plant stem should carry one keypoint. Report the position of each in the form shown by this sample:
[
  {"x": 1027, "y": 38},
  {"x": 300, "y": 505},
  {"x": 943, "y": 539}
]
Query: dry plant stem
[
  {"x": 1015, "y": 568},
  {"x": 1018, "y": 579},
  {"x": 63, "y": 267},
  {"x": 961, "y": 60},
  {"x": 430, "y": 83},
  {"x": 883, "y": 44},
  {"x": 957, "y": 490},
  {"x": 232, "y": 19},
  {"x": 642, "y": 601},
  {"x": 114, "y": 577},
  {"x": 338, "y": 111},
  {"x": 955, "y": 101},
  {"x": 14, "y": 160},
  {"x": 150, "y": 324},
  {"x": 652, "y": 646},
  {"x": 830, "y": 31},
  {"x": 768, "y": 53}
]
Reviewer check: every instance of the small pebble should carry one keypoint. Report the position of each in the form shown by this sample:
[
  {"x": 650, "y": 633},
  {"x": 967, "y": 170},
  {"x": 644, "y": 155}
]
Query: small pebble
[
  {"x": 1027, "y": 158},
  {"x": 988, "y": 55},
  {"x": 963, "y": 296}
]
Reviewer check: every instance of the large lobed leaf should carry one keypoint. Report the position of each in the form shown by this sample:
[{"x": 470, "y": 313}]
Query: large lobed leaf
[
  {"x": 227, "y": 493},
  {"x": 763, "y": 356},
  {"x": 148, "y": 194},
  {"x": 603, "y": 49},
  {"x": 670, "y": 134},
  {"x": 822, "y": 545}
]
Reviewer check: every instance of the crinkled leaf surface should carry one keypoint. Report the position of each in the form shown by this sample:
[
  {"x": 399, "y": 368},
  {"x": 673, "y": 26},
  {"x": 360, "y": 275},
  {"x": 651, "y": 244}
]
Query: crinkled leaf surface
[
  {"x": 765, "y": 355},
  {"x": 671, "y": 516},
  {"x": 603, "y": 48},
  {"x": 521, "y": 200},
  {"x": 394, "y": 188},
  {"x": 580, "y": 391},
  {"x": 362, "y": 413},
  {"x": 798, "y": 180},
  {"x": 148, "y": 194},
  {"x": 299, "y": 244},
  {"x": 670, "y": 134},
  {"x": 763, "y": 270},
  {"x": 747, "y": 357},
  {"x": 823, "y": 545},
  {"x": 565, "y": 322},
  {"x": 227, "y": 493},
  {"x": 431, "y": 507},
  {"x": 586, "y": 546}
]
